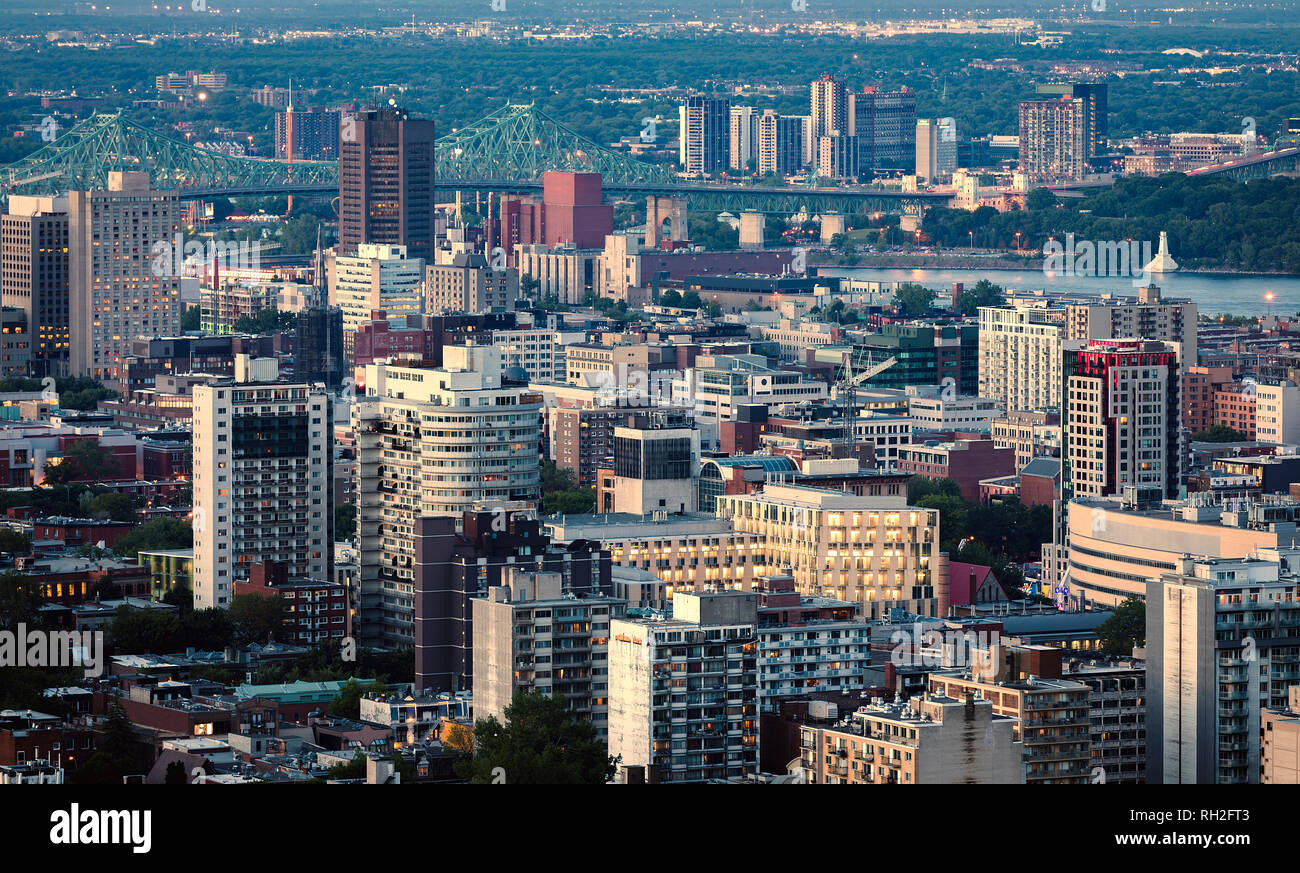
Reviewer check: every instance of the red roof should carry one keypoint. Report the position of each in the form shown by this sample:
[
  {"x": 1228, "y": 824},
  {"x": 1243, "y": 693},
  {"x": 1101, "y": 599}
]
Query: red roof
[{"x": 964, "y": 580}]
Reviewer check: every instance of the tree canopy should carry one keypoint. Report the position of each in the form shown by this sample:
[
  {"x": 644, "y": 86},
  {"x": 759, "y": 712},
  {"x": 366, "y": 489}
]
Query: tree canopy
[
  {"x": 541, "y": 743},
  {"x": 1125, "y": 629}
]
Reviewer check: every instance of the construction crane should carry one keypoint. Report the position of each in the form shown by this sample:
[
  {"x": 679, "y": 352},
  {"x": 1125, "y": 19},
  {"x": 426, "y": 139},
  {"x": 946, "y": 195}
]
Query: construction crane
[{"x": 846, "y": 391}]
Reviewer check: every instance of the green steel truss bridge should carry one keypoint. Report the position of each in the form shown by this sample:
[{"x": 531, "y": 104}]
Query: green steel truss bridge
[
  {"x": 508, "y": 151},
  {"x": 85, "y": 154}
]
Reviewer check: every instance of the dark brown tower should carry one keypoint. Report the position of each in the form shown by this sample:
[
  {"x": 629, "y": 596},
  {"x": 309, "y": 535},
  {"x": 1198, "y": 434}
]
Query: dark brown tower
[{"x": 386, "y": 181}]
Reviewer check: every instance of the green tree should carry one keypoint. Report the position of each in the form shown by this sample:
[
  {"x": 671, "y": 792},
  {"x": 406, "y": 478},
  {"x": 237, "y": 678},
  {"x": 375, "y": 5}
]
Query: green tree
[
  {"x": 1040, "y": 198},
  {"x": 671, "y": 297},
  {"x": 345, "y": 522},
  {"x": 1219, "y": 433},
  {"x": 258, "y": 618},
  {"x": 84, "y": 460},
  {"x": 81, "y": 392},
  {"x": 118, "y": 755},
  {"x": 118, "y": 507},
  {"x": 190, "y": 318},
  {"x": 921, "y": 486},
  {"x": 1125, "y": 629},
  {"x": 266, "y": 321},
  {"x": 14, "y": 541},
  {"x": 140, "y": 631},
  {"x": 984, "y": 293},
  {"x": 348, "y": 702},
  {"x": 20, "y": 598},
  {"x": 155, "y": 534},
  {"x": 541, "y": 743},
  {"x": 952, "y": 516},
  {"x": 206, "y": 629},
  {"x": 914, "y": 300}
]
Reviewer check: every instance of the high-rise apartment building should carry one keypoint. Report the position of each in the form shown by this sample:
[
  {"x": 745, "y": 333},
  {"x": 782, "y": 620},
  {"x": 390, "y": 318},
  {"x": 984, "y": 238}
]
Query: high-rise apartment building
[
  {"x": 123, "y": 271},
  {"x": 1054, "y": 139},
  {"x": 780, "y": 144},
  {"x": 263, "y": 483},
  {"x": 386, "y": 181},
  {"x": 34, "y": 276},
  {"x": 885, "y": 124},
  {"x": 1148, "y": 317},
  {"x": 537, "y": 351},
  {"x": 468, "y": 284},
  {"x": 528, "y": 636},
  {"x": 706, "y": 134},
  {"x": 869, "y": 549},
  {"x": 1222, "y": 645},
  {"x": 315, "y": 134},
  {"x": 1020, "y": 356},
  {"x": 936, "y": 148},
  {"x": 1094, "y": 96},
  {"x": 828, "y": 106},
  {"x": 1121, "y": 420},
  {"x": 438, "y": 441},
  {"x": 744, "y": 137},
  {"x": 837, "y": 157},
  {"x": 377, "y": 278},
  {"x": 456, "y": 562},
  {"x": 683, "y": 691}
]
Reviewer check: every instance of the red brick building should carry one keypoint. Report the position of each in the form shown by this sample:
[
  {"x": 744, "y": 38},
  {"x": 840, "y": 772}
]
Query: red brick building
[
  {"x": 379, "y": 338},
  {"x": 81, "y": 531},
  {"x": 1234, "y": 407},
  {"x": 1200, "y": 384},
  {"x": 965, "y": 462},
  {"x": 1040, "y": 482},
  {"x": 317, "y": 610}
]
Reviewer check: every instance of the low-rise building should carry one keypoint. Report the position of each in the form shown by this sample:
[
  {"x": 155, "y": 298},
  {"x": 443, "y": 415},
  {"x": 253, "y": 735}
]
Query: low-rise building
[
  {"x": 1051, "y": 718},
  {"x": 928, "y": 740},
  {"x": 1279, "y": 743}
]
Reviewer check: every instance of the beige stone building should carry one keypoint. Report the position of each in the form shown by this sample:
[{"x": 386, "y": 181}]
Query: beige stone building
[
  {"x": 928, "y": 740},
  {"x": 123, "y": 271},
  {"x": 1020, "y": 355},
  {"x": 1279, "y": 744},
  {"x": 871, "y": 549},
  {"x": 469, "y": 284},
  {"x": 1051, "y": 718}
]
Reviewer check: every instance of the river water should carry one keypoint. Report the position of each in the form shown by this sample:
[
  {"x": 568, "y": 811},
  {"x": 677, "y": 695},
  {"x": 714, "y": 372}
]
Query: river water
[{"x": 1213, "y": 293}]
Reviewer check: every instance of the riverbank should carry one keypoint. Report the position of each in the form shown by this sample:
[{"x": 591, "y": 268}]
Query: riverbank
[
  {"x": 1214, "y": 293},
  {"x": 1009, "y": 262}
]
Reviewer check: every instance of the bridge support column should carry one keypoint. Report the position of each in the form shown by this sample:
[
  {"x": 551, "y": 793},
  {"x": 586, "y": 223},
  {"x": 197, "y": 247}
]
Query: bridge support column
[
  {"x": 660, "y": 209},
  {"x": 752, "y": 225},
  {"x": 832, "y": 224}
]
